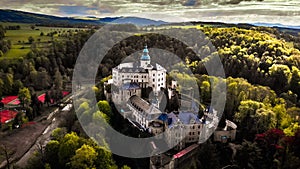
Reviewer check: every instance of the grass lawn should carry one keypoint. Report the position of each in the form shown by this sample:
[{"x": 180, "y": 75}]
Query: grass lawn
[{"x": 16, "y": 53}]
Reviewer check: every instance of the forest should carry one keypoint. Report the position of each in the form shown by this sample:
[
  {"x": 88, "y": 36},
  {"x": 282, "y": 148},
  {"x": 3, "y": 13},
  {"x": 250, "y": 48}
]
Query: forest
[{"x": 263, "y": 94}]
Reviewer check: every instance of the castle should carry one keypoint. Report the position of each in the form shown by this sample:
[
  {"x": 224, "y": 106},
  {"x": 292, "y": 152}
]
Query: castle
[
  {"x": 183, "y": 129},
  {"x": 130, "y": 78}
]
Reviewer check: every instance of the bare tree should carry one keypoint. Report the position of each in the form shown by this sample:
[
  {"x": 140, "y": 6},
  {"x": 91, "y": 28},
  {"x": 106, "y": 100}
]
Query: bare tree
[{"x": 4, "y": 151}]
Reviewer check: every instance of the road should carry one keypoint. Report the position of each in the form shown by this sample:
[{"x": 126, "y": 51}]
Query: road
[
  {"x": 42, "y": 140},
  {"x": 23, "y": 142}
]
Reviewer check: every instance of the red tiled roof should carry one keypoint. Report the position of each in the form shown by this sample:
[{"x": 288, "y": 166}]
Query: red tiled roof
[
  {"x": 15, "y": 100},
  {"x": 7, "y": 115},
  {"x": 185, "y": 151},
  {"x": 8, "y": 99}
]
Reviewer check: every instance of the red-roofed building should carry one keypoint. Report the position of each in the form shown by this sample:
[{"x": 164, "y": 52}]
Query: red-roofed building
[
  {"x": 185, "y": 151},
  {"x": 7, "y": 115},
  {"x": 9, "y": 99},
  {"x": 182, "y": 159}
]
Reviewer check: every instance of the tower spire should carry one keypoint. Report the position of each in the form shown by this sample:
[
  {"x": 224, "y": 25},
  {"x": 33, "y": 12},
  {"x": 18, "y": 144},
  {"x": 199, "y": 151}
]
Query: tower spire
[
  {"x": 145, "y": 59},
  {"x": 145, "y": 55}
]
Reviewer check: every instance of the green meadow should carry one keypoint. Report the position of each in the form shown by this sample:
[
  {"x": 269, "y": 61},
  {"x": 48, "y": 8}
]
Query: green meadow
[{"x": 20, "y": 45}]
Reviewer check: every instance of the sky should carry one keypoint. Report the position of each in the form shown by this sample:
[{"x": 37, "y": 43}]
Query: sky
[{"x": 286, "y": 12}]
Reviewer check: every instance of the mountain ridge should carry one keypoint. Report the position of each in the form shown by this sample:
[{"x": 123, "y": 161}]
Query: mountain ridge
[{"x": 8, "y": 15}]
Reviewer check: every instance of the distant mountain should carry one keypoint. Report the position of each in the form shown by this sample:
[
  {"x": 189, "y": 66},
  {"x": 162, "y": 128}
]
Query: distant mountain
[
  {"x": 41, "y": 19},
  {"x": 33, "y": 18},
  {"x": 137, "y": 21},
  {"x": 293, "y": 30},
  {"x": 278, "y": 25},
  {"x": 26, "y": 17}
]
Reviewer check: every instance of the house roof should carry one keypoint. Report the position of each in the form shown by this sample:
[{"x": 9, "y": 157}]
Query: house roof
[
  {"x": 130, "y": 86},
  {"x": 7, "y": 115},
  {"x": 148, "y": 110},
  {"x": 184, "y": 117}
]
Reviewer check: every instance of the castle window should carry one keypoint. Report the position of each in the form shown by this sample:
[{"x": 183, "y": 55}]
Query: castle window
[
  {"x": 153, "y": 80},
  {"x": 153, "y": 74}
]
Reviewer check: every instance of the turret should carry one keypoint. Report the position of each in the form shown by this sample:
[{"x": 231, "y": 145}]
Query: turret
[{"x": 145, "y": 59}]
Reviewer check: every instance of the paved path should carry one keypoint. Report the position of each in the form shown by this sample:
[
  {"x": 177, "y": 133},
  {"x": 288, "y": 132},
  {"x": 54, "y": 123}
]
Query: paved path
[
  {"x": 42, "y": 140},
  {"x": 20, "y": 140},
  {"x": 23, "y": 142}
]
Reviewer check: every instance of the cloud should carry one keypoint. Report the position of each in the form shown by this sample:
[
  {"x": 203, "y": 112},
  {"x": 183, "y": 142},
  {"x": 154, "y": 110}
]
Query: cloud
[{"x": 280, "y": 11}]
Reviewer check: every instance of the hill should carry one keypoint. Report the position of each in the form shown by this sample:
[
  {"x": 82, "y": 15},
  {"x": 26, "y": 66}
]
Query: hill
[{"x": 33, "y": 18}]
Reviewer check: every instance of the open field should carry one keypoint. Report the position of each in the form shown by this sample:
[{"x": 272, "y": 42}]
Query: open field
[{"x": 20, "y": 45}]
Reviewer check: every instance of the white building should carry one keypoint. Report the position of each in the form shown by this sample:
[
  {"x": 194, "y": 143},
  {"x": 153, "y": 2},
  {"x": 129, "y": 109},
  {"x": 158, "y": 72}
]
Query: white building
[
  {"x": 130, "y": 78},
  {"x": 142, "y": 112}
]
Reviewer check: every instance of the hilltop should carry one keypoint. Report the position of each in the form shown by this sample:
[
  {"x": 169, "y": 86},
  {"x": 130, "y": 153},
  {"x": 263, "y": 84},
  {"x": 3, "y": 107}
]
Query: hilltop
[{"x": 42, "y": 19}]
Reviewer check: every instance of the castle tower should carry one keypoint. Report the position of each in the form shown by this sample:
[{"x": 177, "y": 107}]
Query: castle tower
[{"x": 145, "y": 59}]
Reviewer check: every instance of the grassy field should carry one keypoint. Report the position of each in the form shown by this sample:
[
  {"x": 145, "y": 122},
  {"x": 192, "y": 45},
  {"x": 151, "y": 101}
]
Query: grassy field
[{"x": 19, "y": 38}]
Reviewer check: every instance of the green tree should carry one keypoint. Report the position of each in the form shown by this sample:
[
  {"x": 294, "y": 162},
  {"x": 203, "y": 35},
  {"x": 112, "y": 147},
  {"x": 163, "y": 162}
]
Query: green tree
[
  {"x": 84, "y": 158},
  {"x": 58, "y": 134},
  {"x": 280, "y": 113},
  {"x": 17, "y": 85},
  {"x": 1, "y": 87},
  {"x": 30, "y": 39},
  {"x": 281, "y": 74},
  {"x": 43, "y": 80},
  {"x": 68, "y": 145},
  {"x": 248, "y": 155},
  {"x": 245, "y": 118},
  {"x": 105, "y": 107},
  {"x": 51, "y": 153},
  {"x": 24, "y": 96},
  {"x": 247, "y": 109},
  {"x": 99, "y": 116},
  {"x": 58, "y": 81},
  {"x": 292, "y": 129},
  {"x": 2, "y": 32},
  {"x": 295, "y": 81},
  {"x": 104, "y": 159},
  {"x": 205, "y": 91},
  {"x": 265, "y": 120},
  {"x": 8, "y": 83},
  {"x": 125, "y": 167}
]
